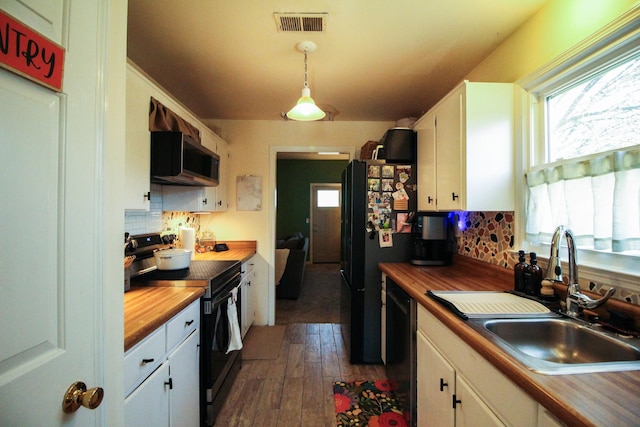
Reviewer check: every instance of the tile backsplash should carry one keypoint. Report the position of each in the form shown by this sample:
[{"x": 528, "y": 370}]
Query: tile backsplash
[
  {"x": 155, "y": 220},
  {"x": 487, "y": 236}
]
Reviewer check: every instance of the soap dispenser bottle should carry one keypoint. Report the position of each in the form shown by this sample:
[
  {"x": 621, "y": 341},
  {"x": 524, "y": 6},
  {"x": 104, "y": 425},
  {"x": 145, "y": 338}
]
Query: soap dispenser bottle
[
  {"x": 533, "y": 276},
  {"x": 518, "y": 272}
]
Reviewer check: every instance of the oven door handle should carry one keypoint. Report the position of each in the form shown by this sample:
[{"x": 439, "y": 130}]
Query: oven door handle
[{"x": 226, "y": 296}]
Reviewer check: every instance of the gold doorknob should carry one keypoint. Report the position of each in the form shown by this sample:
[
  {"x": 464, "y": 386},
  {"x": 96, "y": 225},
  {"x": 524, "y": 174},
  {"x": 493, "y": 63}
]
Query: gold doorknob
[{"x": 77, "y": 395}]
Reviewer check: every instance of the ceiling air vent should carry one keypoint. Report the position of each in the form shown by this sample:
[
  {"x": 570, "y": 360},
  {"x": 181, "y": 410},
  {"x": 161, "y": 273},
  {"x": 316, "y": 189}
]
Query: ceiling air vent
[{"x": 301, "y": 22}]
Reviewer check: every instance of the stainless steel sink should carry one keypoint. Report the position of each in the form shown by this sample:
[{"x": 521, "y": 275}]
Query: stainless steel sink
[{"x": 561, "y": 345}]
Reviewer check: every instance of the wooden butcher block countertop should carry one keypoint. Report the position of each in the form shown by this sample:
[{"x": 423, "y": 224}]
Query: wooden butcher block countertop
[
  {"x": 240, "y": 250},
  {"x": 599, "y": 399},
  {"x": 146, "y": 308}
]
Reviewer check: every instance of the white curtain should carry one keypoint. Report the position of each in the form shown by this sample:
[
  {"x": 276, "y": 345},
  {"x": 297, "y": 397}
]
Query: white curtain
[{"x": 598, "y": 197}]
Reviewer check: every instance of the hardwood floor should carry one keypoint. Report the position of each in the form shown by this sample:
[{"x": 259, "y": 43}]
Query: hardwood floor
[{"x": 296, "y": 388}]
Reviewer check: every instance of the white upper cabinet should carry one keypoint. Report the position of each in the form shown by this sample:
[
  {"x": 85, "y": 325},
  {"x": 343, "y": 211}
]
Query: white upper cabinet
[
  {"x": 465, "y": 150},
  {"x": 137, "y": 148}
]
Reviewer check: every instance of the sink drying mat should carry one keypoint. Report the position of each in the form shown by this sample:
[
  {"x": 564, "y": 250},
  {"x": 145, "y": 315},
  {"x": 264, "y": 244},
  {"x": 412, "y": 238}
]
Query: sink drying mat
[{"x": 488, "y": 304}]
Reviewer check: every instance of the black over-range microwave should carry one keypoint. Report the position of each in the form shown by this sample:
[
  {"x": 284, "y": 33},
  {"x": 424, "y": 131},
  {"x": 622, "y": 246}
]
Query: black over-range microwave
[{"x": 177, "y": 159}]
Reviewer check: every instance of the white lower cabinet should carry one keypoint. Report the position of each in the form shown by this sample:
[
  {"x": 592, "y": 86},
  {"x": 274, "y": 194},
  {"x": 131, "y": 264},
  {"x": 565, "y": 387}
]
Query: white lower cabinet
[
  {"x": 162, "y": 374},
  {"x": 247, "y": 309},
  {"x": 184, "y": 394},
  {"x": 444, "y": 398},
  {"x": 148, "y": 405},
  {"x": 456, "y": 386}
]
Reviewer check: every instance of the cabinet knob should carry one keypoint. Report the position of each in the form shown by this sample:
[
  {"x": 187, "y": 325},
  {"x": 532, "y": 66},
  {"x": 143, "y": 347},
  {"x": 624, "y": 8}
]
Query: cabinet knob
[
  {"x": 204, "y": 201},
  {"x": 455, "y": 401},
  {"x": 188, "y": 323},
  {"x": 454, "y": 196},
  {"x": 443, "y": 384},
  {"x": 429, "y": 199},
  {"x": 219, "y": 202},
  {"x": 147, "y": 196},
  {"x": 169, "y": 383}
]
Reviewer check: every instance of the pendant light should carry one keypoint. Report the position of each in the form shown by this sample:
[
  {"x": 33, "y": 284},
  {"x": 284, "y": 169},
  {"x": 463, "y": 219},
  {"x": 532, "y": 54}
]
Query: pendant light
[{"x": 306, "y": 108}]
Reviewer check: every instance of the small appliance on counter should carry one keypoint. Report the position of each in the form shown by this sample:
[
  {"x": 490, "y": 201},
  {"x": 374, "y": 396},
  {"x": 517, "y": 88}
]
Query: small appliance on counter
[{"x": 434, "y": 241}]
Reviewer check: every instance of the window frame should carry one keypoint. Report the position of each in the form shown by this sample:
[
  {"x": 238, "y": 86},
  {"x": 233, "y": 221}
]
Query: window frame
[{"x": 617, "y": 42}]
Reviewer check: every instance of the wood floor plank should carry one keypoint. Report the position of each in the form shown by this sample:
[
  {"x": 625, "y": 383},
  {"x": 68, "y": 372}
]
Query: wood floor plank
[
  {"x": 295, "y": 363},
  {"x": 311, "y": 394},
  {"x": 313, "y": 328},
  {"x": 271, "y": 396},
  {"x": 330, "y": 364},
  {"x": 251, "y": 388},
  {"x": 259, "y": 369},
  {"x": 313, "y": 417},
  {"x": 297, "y": 331},
  {"x": 291, "y": 402},
  {"x": 277, "y": 369},
  {"x": 312, "y": 348},
  {"x": 265, "y": 418}
]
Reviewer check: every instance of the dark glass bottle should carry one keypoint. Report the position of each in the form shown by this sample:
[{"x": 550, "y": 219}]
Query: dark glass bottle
[
  {"x": 518, "y": 272},
  {"x": 533, "y": 276}
]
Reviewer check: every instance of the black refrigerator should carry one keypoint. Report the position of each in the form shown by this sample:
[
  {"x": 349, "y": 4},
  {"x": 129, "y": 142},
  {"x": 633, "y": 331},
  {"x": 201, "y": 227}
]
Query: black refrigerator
[{"x": 378, "y": 200}]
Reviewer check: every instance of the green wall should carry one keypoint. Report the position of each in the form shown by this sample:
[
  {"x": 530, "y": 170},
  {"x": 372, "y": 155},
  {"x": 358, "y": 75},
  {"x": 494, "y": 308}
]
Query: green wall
[{"x": 293, "y": 188}]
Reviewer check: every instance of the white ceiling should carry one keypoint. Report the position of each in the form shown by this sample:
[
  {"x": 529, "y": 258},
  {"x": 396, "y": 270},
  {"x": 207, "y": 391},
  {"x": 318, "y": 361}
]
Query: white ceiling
[{"x": 377, "y": 60}]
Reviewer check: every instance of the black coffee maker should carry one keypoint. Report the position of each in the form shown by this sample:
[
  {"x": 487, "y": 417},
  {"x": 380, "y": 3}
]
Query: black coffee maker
[{"x": 434, "y": 241}]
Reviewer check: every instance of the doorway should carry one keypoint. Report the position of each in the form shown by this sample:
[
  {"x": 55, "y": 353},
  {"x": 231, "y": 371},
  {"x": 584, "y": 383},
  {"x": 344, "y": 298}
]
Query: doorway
[
  {"x": 303, "y": 178},
  {"x": 325, "y": 223}
]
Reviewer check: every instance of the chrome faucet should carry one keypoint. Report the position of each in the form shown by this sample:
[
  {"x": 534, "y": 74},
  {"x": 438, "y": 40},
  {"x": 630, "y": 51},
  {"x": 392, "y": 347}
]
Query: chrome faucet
[{"x": 575, "y": 301}]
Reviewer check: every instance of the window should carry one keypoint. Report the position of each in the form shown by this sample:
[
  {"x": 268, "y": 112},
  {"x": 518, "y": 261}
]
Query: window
[
  {"x": 584, "y": 157},
  {"x": 328, "y": 198},
  {"x": 599, "y": 114}
]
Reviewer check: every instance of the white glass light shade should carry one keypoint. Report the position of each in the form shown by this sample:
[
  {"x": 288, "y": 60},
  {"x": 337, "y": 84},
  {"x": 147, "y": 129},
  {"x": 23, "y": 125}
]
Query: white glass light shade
[{"x": 306, "y": 109}]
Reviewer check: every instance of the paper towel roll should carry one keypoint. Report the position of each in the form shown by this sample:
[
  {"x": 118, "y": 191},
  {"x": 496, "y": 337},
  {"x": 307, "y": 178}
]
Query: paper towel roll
[{"x": 188, "y": 239}]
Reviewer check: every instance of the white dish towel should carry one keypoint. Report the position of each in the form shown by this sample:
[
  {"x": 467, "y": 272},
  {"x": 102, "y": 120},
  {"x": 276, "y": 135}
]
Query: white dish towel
[{"x": 235, "y": 339}]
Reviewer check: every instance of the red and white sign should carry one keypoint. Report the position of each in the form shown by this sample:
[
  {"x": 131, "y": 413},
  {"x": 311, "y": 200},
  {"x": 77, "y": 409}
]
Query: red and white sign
[{"x": 30, "y": 54}]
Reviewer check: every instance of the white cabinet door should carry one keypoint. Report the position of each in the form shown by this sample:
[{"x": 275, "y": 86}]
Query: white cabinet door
[
  {"x": 221, "y": 197},
  {"x": 465, "y": 150},
  {"x": 137, "y": 148},
  {"x": 448, "y": 152},
  {"x": 248, "y": 313},
  {"x": 470, "y": 409},
  {"x": 148, "y": 405},
  {"x": 427, "y": 163},
  {"x": 188, "y": 199},
  {"x": 436, "y": 385},
  {"x": 184, "y": 368}
]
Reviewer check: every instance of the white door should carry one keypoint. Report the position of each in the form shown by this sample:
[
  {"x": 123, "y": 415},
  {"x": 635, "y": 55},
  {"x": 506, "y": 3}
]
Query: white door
[
  {"x": 53, "y": 257},
  {"x": 325, "y": 222}
]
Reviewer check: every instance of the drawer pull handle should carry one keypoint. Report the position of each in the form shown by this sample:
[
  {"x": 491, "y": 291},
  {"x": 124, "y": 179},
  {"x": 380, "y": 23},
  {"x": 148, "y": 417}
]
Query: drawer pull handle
[
  {"x": 169, "y": 383},
  {"x": 188, "y": 323},
  {"x": 455, "y": 401},
  {"x": 145, "y": 361},
  {"x": 443, "y": 384}
]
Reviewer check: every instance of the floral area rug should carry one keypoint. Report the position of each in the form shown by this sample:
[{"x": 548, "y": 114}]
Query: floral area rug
[{"x": 369, "y": 403}]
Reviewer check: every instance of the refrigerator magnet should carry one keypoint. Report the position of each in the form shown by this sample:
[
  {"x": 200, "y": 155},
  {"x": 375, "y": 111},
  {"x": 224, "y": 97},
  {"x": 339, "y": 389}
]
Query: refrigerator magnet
[
  {"x": 374, "y": 171},
  {"x": 385, "y": 238}
]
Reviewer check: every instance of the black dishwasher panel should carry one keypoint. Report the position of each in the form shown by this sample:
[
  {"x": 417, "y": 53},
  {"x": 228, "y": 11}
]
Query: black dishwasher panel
[{"x": 401, "y": 345}]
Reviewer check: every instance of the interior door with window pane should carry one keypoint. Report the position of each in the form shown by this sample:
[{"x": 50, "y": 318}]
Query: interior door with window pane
[{"x": 325, "y": 223}]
